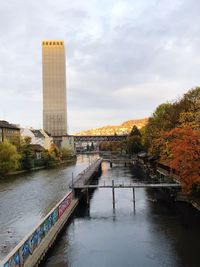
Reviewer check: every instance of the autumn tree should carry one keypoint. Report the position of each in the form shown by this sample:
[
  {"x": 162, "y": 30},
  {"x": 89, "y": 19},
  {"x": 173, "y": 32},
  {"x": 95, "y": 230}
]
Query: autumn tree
[
  {"x": 190, "y": 114},
  {"x": 182, "y": 151},
  {"x": 66, "y": 153},
  {"x": 52, "y": 156}
]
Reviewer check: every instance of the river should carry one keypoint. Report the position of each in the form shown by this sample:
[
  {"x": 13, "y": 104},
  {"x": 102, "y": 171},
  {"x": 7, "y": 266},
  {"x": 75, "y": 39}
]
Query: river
[
  {"x": 157, "y": 234},
  {"x": 26, "y": 198}
]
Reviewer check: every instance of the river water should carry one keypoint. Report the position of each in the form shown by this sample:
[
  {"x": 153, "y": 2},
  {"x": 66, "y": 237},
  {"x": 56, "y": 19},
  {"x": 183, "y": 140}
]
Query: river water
[
  {"x": 26, "y": 199},
  {"x": 155, "y": 235}
]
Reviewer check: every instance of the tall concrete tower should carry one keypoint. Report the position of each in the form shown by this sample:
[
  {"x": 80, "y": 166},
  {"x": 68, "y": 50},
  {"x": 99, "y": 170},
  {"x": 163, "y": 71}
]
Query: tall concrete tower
[{"x": 54, "y": 87}]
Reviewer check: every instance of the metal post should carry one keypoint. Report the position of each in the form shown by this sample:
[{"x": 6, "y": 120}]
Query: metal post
[
  {"x": 72, "y": 185},
  {"x": 113, "y": 194},
  {"x": 134, "y": 199},
  {"x": 87, "y": 192}
]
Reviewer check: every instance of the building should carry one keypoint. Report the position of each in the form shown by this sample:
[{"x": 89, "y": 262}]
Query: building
[
  {"x": 9, "y": 132},
  {"x": 54, "y": 88},
  {"x": 37, "y": 151},
  {"x": 65, "y": 141},
  {"x": 38, "y": 137}
]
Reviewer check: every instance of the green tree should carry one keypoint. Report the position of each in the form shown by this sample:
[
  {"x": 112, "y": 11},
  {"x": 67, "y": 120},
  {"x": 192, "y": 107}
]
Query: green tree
[
  {"x": 92, "y": 146},
  {"x": 134, "y": 141},
  {"x": 135, "y": 131},
  {"x": 27, "y": 154},
  {"x": 134, "y": 145},
  {"x": 9, "y": 157}
]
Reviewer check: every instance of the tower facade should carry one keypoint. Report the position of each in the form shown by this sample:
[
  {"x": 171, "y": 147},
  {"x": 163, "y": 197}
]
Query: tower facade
[{"x": 54, "y": 87}]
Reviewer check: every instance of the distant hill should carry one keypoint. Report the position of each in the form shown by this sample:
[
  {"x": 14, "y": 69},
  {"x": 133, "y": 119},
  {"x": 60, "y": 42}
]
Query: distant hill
[{"x": 122, "y": 129}]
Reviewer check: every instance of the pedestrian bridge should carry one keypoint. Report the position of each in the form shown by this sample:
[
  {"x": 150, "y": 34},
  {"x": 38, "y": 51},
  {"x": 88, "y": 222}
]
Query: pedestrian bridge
[{"x": 123, "y": 184}]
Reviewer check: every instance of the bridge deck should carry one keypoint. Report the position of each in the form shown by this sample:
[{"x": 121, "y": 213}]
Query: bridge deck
[
  {"x": 85, "y": 175},
  {"x": 80, "y": 185}
]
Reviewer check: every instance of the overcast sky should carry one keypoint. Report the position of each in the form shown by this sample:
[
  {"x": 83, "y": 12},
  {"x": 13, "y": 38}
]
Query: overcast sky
[{"x": 123, "y": 57}]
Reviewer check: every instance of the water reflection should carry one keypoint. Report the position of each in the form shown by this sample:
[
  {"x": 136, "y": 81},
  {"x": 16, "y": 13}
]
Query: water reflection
[
  {"x": 156, "y": 236},
  {"x": 27, "y": 198}
]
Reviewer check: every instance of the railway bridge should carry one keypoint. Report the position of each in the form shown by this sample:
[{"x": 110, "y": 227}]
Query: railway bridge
[{"x": 99, "y": 138}]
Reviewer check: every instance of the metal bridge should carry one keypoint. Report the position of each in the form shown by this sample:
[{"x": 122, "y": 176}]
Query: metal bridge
[
  {"x": 82, "y": 185},
  {"x": 99, "y": 138},
  {"x": 105, "y": 184}
]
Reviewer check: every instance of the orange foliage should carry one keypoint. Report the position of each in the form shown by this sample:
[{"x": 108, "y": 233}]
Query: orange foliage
[{"x": 183, "y": 145}]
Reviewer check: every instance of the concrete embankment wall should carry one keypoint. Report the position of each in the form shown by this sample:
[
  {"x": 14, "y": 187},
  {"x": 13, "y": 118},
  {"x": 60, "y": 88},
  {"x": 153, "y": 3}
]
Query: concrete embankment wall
[{"x": 32, "y": 249}]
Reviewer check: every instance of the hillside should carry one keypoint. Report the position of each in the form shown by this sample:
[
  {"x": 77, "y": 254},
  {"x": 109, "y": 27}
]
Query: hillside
[{"x": 122, "y": 129}]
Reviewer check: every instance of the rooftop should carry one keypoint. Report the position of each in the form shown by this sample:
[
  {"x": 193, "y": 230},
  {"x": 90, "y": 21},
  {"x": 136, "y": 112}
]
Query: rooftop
[{"x": 6, "y": 124}]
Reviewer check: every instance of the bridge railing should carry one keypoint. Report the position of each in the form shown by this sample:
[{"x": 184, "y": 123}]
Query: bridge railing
[
  {"x": 19, "y": 255},
  {"x": 82, "y": 176},
  {"x": 122, "y": 183}
]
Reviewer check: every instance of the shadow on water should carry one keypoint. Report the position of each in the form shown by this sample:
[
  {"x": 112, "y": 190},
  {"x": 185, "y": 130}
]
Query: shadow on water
[{"x": 159, "y": 234}]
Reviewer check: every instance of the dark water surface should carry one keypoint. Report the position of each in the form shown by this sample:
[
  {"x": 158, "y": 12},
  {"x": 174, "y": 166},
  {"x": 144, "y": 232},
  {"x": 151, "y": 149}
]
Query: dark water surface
[
  {"x": 155, "y": 236},
  {"x": 27, "y": 198}
]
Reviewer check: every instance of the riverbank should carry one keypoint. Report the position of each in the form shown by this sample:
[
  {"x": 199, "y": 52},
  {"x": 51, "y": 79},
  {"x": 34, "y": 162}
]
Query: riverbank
[
  {"x": 56, "y": 165},
  {"x": 31, "y": 250},
  {"x": 27, "y": 198},
  {"x": 163, "y": 173}
]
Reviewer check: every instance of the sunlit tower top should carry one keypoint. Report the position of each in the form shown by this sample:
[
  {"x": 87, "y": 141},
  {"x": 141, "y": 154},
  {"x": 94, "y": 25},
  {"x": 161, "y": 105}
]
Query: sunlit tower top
[{"x": 54, "y": 87}]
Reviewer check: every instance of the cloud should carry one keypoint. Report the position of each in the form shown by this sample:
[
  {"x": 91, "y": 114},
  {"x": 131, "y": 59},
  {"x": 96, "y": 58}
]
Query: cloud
[{"x": 123, "y": 57}]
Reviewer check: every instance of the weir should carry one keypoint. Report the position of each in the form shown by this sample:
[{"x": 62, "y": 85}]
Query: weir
[{"x": 32, "y": 249}]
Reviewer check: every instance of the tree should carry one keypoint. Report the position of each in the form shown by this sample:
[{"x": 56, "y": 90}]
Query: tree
[
  {"x": 105, "y": 146},
  {"x": 190, "y": 114},
  {"x": 9, "y": 157},
  {"x": 66, "y": 153},
  {"x": 26, "y": 152},
  {"x": 135, "y": 131},
  {"x": 182, "y": 152},
  {"x": 92, "y": 146},
  {"x": 134, "y": 145}
]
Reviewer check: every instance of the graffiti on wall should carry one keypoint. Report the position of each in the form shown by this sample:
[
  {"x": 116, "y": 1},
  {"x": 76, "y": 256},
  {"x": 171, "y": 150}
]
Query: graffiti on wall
[
  {"x": 18, "y": 259},
  {"x": 14, "y": 261},
  {"x": 64, "y": 205}
]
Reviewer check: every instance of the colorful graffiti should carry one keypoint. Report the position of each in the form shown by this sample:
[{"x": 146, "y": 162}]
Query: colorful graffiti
[
  {"x": 14, "y": 261},
  {"x": 64, "y": 205},
  {"x": 18, "y": 259}
]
